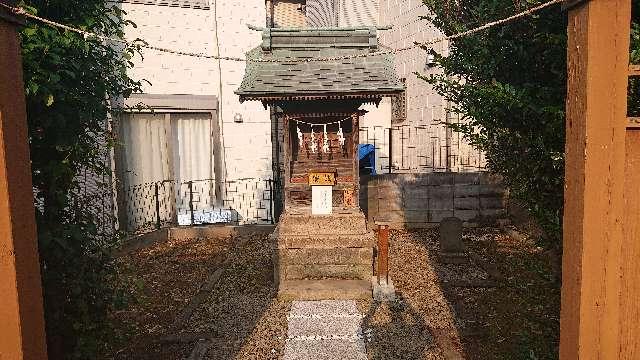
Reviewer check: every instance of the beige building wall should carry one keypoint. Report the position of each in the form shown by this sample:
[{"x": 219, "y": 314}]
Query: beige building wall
[
  {"x": 248, "y": 143},
  {"x": 211, "y": 29},
  {"x": 184, "y": 29},
  {"x": 420, "y": 142}
]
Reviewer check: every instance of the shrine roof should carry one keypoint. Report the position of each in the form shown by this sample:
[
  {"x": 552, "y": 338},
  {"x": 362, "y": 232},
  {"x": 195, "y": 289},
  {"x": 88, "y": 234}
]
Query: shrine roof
[{"x": 287, "y": 69}]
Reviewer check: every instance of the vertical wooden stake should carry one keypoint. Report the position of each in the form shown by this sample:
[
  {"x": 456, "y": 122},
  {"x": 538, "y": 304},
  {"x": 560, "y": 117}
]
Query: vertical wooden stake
[
  {"x": 383, "y": 252},
  {"x": 598, "y": 51},
  {"x": 157, "y": 197},
  {"x": 21, "y": 313}
]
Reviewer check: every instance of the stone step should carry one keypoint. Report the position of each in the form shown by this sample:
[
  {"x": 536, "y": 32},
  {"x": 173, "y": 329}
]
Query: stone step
[
  {"x": 336, "y": 224},
  {"x": 323, "y": 308},
  {"x": 325, "y": 327},
  {"x": 327, "y": 289},
  {"x": 333, "y": 256},
  {"x": 326, "y": 349},
  {"x": 326, "y": 241},
  {"x": 299, "y": 272}
]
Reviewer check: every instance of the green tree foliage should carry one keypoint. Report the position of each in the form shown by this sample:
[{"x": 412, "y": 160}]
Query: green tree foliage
[
  {"x": 69, "y": 82},
  {"x": 509, "y": 83}
]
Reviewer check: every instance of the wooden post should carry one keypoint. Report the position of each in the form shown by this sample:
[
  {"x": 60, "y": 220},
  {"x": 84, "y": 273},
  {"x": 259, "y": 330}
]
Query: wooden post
[
  {"x": 593, "y": 313},
  {"x": 383, "y": 252},
  {"x": 21, "y": 313}
]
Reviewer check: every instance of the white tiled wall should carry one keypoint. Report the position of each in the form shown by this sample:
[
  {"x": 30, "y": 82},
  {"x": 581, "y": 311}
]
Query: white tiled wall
[
  {"x": 247, "y": 144},
  {"x": 421, "y": 143},
  {"x": 184, "y": 29}
]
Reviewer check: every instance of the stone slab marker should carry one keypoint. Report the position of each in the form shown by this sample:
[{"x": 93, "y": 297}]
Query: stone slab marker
[{"x": 451, "y": 245}]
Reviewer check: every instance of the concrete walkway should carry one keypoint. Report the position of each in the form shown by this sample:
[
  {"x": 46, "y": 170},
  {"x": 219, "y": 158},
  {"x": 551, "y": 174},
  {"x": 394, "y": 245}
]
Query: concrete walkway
[{"x": 324, "y": 330}]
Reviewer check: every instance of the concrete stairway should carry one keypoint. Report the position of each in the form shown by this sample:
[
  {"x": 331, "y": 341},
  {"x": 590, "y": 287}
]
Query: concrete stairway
[{"x": 324, "y": 257}]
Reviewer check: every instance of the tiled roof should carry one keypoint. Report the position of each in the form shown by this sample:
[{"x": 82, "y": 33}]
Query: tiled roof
[{"x": 371, "y": 76}]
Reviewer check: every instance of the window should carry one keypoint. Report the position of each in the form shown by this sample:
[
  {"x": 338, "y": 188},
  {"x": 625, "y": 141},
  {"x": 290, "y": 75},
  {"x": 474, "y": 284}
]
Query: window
[{"x": 174, "y": 145}]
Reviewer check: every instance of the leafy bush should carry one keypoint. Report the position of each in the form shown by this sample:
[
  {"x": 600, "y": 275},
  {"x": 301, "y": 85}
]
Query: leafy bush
[
  {"x": 69, "y": 82},
  {"x": 512, "y": 95}
]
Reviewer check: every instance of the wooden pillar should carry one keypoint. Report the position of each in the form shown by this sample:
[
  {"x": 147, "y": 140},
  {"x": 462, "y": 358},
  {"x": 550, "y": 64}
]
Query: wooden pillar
[
  {"x": 592, "y": 316},
  {"x": 21, "y": 313},
  {"x": 287, "y": 159},
  {"x": 355, "y": 132}
]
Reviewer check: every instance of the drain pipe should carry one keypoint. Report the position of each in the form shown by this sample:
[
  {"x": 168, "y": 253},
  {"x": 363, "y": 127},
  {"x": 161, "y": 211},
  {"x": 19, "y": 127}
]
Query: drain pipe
[{"x": 220, "y": 166}]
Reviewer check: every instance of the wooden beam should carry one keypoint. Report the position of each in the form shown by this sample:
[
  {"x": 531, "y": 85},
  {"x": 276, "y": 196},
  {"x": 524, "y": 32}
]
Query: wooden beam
[
  {"x": 598, "y": 58},
  {"x": 633, "y": 123},
  {"x": 634, "y": 70},
  {"x": 630, "y": 272},
  {"x": 21, "y": 312}
]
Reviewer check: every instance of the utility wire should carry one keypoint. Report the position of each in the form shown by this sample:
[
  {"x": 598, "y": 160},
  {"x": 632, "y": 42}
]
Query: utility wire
[{"x": 88, "y": 34}]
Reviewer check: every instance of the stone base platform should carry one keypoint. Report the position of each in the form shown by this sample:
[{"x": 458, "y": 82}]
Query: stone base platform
[
  {"x": 323, "y": 257},
  {"x": 309, "y": 289}
]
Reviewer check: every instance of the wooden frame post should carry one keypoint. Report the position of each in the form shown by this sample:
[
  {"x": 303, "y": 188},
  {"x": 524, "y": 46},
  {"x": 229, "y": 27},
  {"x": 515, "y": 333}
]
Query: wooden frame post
[
  {"x": 593, "y": 313},
  {"x": 22, "y": 333},
  {"x": 383, "y": 252}
]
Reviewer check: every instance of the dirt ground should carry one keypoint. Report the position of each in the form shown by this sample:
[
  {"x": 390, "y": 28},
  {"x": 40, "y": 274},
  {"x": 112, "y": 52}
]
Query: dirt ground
[
  {"x": 502, "y": 303},
  {"x": 448, "y": 311}
]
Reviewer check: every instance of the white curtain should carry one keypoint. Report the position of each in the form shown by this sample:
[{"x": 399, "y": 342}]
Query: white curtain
[
  {"x": 193, "y": 162},
  {"x": 192, "y": 154},
  {"x": 145, "y": 145},
  {"x": 172, "y": 150}
]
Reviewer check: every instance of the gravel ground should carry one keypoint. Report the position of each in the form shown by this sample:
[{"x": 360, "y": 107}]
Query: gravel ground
[
  {"x": 517, "y": 319},
  {"x": 443, "y": 311},
  {"x": 162, "y": 279},
  {"x": 242, "y": 312},
  {"x": 402, "y": 330}
]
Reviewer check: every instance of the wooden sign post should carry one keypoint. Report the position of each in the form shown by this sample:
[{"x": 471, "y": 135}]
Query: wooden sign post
[{"x": 601, "y": 254}]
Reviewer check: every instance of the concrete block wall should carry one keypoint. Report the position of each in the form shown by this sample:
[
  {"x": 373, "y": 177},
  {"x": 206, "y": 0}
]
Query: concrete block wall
[{"x": 423, "y": 200}]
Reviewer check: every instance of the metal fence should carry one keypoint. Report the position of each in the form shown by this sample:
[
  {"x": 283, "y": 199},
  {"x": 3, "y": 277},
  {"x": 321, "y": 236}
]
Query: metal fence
[
  {"x": 421, "y": 149},
  {"x": 149, "y": 206}
]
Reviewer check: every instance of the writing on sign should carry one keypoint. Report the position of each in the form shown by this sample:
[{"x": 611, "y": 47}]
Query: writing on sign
[
  {"x": 321, "y": 200},
  {"x": 322, "y": 178}
]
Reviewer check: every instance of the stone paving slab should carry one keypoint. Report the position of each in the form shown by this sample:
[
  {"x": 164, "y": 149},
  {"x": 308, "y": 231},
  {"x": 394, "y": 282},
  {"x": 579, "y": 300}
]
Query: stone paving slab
[
  {"x": 324, "y": 330},
  {"x": 324, "y": 327},
  {"x": 323, "y": 308},
  {"x": 327, "y": 349}
]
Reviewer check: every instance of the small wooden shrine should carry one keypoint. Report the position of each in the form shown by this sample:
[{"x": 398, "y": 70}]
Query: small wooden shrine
[{"x": 325, "y": 250}]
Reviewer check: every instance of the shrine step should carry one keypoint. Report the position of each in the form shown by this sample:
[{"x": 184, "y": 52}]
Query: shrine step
[
  {"x": 330, "y": 289},
  {"x": 325, "y": 256},
  {"x": 326, "y": 241},
  {"x": 349, "y": 272},
  {"x": 353, "y": 223}
]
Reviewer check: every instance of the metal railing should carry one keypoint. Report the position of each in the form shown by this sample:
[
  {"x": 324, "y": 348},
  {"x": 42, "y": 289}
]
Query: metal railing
[
  {"x": 155, "y": 205},
  {"x": 420, "y": 148}
]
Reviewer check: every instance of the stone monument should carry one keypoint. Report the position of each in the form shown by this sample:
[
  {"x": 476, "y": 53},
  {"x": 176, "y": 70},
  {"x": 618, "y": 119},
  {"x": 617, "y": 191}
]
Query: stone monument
[{"x": 452, "y": 249}]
